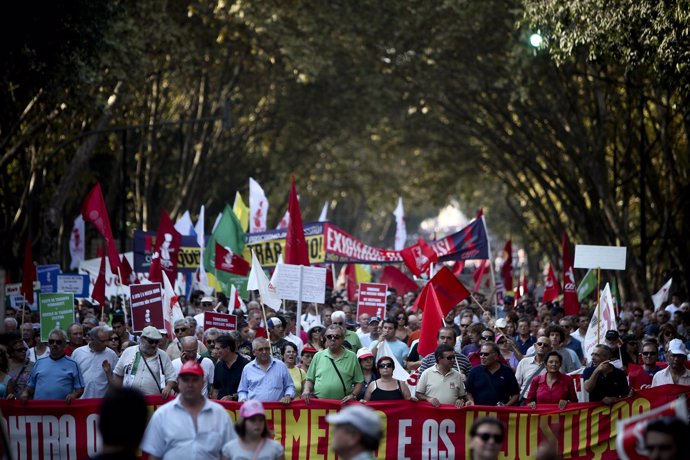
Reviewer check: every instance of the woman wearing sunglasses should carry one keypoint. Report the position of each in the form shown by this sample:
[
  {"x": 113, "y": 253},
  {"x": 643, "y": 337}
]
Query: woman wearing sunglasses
[
  {"x": 114, "y": 343},
  {"x": 667, "y": 332},
  {"x": 486, "y": 438},
  {"x": 19, "y": 368},
  {"x": 554, "y": 387},
  {"x": 386, "y": 387}
]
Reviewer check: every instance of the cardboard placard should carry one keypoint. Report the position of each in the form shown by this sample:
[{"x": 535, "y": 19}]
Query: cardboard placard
[
  {"x": 57, "y": 312},
  {"x": 313, "y": 283},
  {"x": 47, "y": 276},
  {"x": 603, "y": 257},
  {"x": 222, "y": 321},
  {"x": 372, "y": 299},
  {"x": 147, "y": 306}
]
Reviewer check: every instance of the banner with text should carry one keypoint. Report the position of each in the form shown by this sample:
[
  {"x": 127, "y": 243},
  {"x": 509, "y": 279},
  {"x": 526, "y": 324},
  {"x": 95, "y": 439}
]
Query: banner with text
[
  {"x": 52, "y": 430},
  {"x": 222, "y": 321},
  {"x": 372, "y": 299},
  {"x": 57, "y": 312}
]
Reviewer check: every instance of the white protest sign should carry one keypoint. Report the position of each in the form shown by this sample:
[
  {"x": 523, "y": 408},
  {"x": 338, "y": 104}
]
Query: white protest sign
[
  {"x": 313, "y": 283},
  {"x": 603, "y": 257}
]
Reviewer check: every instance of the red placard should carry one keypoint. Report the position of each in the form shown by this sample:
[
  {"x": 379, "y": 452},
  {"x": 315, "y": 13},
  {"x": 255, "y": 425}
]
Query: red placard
[
  {"x": 221, "y": 321},
  {"x": 147, "y": 306},
  {"x": 372, "y": 299}
]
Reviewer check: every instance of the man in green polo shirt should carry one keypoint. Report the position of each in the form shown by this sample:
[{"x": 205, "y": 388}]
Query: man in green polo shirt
[{"x": 334, "y": 372}]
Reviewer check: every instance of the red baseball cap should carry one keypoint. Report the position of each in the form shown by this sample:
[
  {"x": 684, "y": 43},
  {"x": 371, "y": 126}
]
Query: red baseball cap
[{"x": 191, "y": 367}]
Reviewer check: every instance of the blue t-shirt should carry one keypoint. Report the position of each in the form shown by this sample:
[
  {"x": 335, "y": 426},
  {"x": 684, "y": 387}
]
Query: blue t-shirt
[
  {"x": 487, "y": 389},
  {"x": 55, "y": 378}
]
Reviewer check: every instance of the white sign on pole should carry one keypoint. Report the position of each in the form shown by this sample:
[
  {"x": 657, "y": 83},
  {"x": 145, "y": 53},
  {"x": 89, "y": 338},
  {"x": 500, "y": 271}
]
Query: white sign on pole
[
  {"x": 603, "y": 257},
  {"x": 313, "y": 283}
]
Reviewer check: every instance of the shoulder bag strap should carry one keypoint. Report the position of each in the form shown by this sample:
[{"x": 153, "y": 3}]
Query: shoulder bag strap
[
  {"x": 338, "y": 372},
  {"x": 152, "y": 375},
  {"x": 529, "y": 380}
]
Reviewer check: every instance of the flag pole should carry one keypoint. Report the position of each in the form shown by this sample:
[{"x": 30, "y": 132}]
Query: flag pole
[
  {"x": 298, "y": 324},
  {"x": 477, "y": 302},
  {"x": 598, "y": 304}
]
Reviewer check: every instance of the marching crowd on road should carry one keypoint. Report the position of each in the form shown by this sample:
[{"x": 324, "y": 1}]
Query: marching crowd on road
[{"x": 519, "y": 354}]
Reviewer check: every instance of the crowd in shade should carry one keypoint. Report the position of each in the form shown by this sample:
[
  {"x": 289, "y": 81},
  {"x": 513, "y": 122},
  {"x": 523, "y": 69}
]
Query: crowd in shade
[{"x": 520, "y": 353}]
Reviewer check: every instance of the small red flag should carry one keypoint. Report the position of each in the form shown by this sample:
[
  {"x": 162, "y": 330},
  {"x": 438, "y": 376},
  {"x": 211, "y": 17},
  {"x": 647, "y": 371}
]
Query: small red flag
[
  {"x": 296, "y": 252},
  {"x": 507, "y": 269},
  {"x": 398, "y": 280},
  {"x": 93, "y": 210},
  {"x": 479, "y": 273},
  {"x": 126, "y": 273},
  {"x": 28, "y": 274},
  {"x": 458, "y": 267},
  {"x": 449, "y": 291},
  {"x": 98, "y": 293},
  {"x": 552, "y": 288},
  {"x": 166, "y": 251},
  {"x": 419, "y": 257},
  {"x": 433, "y": 320},
  {"x": 229, "y": 262},
  {"x": 570, "y": 303},
  {"x": 351, "y": 282}
]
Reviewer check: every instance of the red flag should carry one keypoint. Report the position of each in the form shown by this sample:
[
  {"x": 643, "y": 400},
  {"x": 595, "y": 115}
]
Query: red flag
[
  {"x": 419, "y": 257},
  {"x": 98, "y": 293},
  {"x": 479, "y": 274},
  {"x": 449, "y": 291},
  {"x": 229, "y": 262},
  {"x": 524, "y": 288},
  {"x": 93, "y": 210},
  {"x": 28, "y": 274},
  {"x": 126, "y": 273},
  {"x": 398, "y": 280},
  {"x": 351, "y": 282},
  {"x": 570, "y": 303},
  {"x": 433, "y": 320},
  {"x": 507, "y": 269},
  {"x": 458, "y": 267},
  {"x": 552, "y": 288},
  {"x": 166, "y": 251},
  {"x": 296, "y": 252}
]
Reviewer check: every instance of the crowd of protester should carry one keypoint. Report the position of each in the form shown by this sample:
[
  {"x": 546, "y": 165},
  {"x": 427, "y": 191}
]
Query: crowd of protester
[{"x": 516, "y": 354}]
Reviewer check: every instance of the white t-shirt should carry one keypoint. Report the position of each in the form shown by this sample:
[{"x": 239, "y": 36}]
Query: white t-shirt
[
  {"x": 31, "y": 354},
  {"x": 91, "y": 367},
  {"x": 140, "y": 378},
  {"x": 208, "y": 367}
]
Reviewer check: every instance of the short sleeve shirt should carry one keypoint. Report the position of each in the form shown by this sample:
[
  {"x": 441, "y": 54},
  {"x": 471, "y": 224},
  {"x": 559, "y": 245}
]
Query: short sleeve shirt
[
  {"x": 488, "y": 389},
  {"x": 327, "y": 384},
  {"x": 55, "y": 378},
  {"x": 446, "y": 388}
]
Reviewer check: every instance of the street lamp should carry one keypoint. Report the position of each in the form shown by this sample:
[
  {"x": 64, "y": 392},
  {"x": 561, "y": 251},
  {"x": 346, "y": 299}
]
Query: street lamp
[{"x": 536, "y": 40}]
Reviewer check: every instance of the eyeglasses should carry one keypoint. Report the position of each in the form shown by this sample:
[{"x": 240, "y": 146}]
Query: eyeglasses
[
  {"x": 487, "y": 337},
  {"x": 334, "y": 337},
  {"x": 339, "y": 324},
  {"x": 55, "y": 342},
  {"x": 262, "y": 350},
  {"x": 485, "y": 354},
  {"x": 649, "y": 353},
  {"x": 114, "y": 338},
  {"x": 501, "y": 342},
  {"x": 637, "y": 315},
  {"x": 498, "y": 438},
  {"x": 450, "y": 358},
  {"x": 210, "y": 343},
  {"x": 152, "y": 341},
  {"x": 385, "y": 366},
  {"x": 183, "y": 329},
  {"x": 542, "y": 344},
  {"x": 464, "y": 325}
]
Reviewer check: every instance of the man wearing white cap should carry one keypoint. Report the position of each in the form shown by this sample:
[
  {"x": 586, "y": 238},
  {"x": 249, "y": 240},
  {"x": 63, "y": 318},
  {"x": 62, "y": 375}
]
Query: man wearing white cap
[
  {"x": 208, "y": 303},
  {"x": 191, "y": 426},
  {"x": 356, "y": 433},
  {"x": 146, "y": 367},
  {"x": 676, "y": 372}
]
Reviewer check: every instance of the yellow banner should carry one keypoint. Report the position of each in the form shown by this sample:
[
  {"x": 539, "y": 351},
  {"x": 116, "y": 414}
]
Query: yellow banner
[{"x": 267, "y": 252}]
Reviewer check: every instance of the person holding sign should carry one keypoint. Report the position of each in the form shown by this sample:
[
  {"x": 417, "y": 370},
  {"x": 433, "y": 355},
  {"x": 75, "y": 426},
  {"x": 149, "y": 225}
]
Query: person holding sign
[{"x": 55, "y": 377}]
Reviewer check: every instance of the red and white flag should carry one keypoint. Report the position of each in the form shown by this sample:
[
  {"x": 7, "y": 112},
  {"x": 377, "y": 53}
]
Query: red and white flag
[
  {"x": 662, "y": 295},
  {"x": 94, "y": 211},
  {"x": 400, "y": 228},
  {"x": 76, "y": 243},
  {"x": 171, "y": 307},
  {"x": 236, "y": 302},
  {"x": 507, "y": 268},
  {"x": 229, "y": 262},
  {"x": 166, "y": 251},
  {"x": 571, "y": 305},
  {"x": 603, "y": 319},
  {"x": 258, "y": 207},
  {"x": 283, "y": 224},
  {"x": 552, "y": 288},
  {"x": 479, "y": 274},
  {"x": 419, "y": 257}
]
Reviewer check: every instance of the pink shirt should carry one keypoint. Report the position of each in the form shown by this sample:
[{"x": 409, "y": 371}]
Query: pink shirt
[{"x": 562, "y": 388}]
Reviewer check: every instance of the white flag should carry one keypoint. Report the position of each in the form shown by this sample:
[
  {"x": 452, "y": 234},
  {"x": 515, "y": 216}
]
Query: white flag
[
  {"x": 274, "y": 276},
  {"x": 662, "y": 295},
  {"x": 236, "y": 300},
  {"x": 284, "y": 222},
  {"x": 201, "y": 241},
  {"x": 258, "y": 207},
  {"x": 184, "y": 224},
  {"x": 400, "y": 229},
  {"x": 215, "y": 224},
  {"x": 324, "y": 212},
  {"x": 171, "y": 308},
  {"x": 259, "y": 282},
  {"x": 76, "y": 243},
  {"x": 603, "y": 319}
]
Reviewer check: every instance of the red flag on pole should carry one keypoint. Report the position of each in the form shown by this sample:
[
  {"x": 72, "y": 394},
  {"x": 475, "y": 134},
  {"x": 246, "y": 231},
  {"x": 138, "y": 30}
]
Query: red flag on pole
[
  {"x": 229, "y": 262},
  {"x": 449, "y": 291},
  {"x": 507, "y": 269},
  {"x": 351, "y": 282},
  {"x": 98, "y": 293},
  {"x": 419, "y": 257},
  {"x": 398, "y": 280},
  {"x": 570, "y": 303},
  {"x": 433, "y": 320},
  {"x": 126, "y": 272},
  {"x": 166, "y": 251},
  {"x": 479, "y": 274},
  {"x": 458, "y": 267},
  {"x": 93, "y": 210},
  {"x": 552, "y": 288},
  {"x": 28, "y": 274},
  {"x": 296, "y": 252}
]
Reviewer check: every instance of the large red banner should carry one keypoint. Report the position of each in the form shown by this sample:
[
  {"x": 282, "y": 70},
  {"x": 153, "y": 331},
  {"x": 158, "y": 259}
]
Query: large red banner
[{"x": 52, "y": 430}]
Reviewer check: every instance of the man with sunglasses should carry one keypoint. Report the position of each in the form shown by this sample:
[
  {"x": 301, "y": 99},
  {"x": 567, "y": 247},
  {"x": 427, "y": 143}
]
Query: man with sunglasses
[
  {"x": 640, "y": 376},
  {"x": 265, "y": 378},
  {"x": 96, "y": 362},
  {"x": 146, "y": 367},
  {"x": 676, "y": 373},
  {"x": 442, "y": 383},
  {"x": 530, "y": 367},
  {"x": 492, "y": 383},
  {"x": 55, "y": 377},
  {"x": 351, "y": 337},
  {"x": 334, "y": 372},
  {"x": 446, "y": 336}
]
